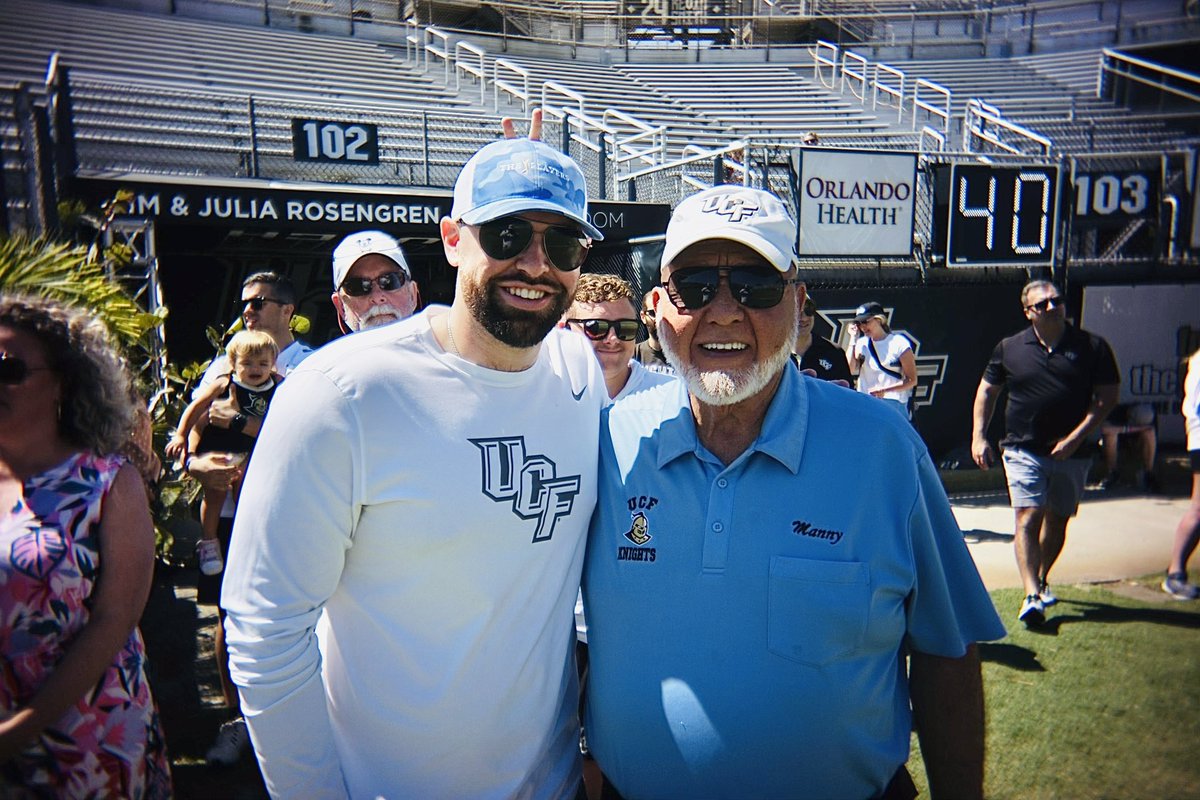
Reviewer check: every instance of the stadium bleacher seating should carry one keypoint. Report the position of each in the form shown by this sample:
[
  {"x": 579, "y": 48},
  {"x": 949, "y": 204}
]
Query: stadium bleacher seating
[
  {"x": 207, "y": 56},
  {"x": 163, "y": 93},
  {"x": 766, "y": 101},
  {"x": 1054, "y": 97}
]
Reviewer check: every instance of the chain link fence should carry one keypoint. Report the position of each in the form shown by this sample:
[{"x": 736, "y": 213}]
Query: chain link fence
[
  {"x": 167, "y": 131},
  {"x": 1128, "y": 208}
]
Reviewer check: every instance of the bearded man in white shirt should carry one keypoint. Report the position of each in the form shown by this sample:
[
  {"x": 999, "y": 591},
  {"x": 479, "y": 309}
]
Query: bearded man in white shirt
[{"x": 410, "y": 536}]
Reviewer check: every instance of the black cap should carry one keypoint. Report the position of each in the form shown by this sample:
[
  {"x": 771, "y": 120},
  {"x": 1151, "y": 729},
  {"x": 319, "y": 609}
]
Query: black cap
[{"x": 868, "y": 310}]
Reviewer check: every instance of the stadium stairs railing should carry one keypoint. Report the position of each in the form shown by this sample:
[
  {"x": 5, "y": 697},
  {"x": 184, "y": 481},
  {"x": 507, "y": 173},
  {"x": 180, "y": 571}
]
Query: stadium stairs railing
[{"x": 428, "y": 149}]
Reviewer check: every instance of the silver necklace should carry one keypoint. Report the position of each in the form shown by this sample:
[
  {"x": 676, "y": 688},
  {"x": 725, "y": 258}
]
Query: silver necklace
[{"x": 450, "y": 337}]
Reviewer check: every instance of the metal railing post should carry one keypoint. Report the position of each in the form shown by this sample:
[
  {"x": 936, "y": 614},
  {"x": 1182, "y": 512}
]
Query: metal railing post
[
  {"x": 61, "y": 121},
  {"x": 425, "y": 143},
  {"x": 253, "y": 119},
  {"x": 602, "y": 167}
]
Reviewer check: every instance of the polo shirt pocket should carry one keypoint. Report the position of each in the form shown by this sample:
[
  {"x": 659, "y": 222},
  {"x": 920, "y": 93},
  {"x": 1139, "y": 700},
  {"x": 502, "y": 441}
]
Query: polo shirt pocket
[{"x": 817, "y": 611}]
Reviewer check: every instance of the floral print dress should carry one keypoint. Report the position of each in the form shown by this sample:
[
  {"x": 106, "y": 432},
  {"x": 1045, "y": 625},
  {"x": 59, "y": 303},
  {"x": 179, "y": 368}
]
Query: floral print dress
[{"x": 110, "y": 743}]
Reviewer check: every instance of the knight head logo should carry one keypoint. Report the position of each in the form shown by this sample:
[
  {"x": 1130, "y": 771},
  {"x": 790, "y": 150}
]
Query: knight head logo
[{"x": 639, "y": 531}]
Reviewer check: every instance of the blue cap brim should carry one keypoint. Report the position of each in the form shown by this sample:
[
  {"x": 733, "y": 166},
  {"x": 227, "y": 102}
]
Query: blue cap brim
[{"x": 518, "y": 205}]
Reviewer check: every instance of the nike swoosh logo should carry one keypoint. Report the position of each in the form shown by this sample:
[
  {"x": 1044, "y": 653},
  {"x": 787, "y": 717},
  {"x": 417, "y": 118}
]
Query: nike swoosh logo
[{"x": 579, "y": 396}]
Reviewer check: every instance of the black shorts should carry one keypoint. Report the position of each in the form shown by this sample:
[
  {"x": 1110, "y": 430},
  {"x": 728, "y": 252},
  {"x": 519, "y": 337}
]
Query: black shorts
[
  {"x": 1195, "y": 456},
  {"x": 208, "y": 587}
]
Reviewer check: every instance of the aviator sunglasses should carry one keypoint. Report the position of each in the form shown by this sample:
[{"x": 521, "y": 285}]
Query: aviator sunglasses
[
  {"x": 627, "y": 329},
  {"x": 14, "y": 370},
  {"x": 693, "y": 288},
  {"x": 388, "y": 282},
  {"x": 508, "y": 237}
]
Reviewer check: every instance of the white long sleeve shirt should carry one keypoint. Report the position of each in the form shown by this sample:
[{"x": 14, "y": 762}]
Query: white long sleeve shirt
[{"x": 423, "y": 518}]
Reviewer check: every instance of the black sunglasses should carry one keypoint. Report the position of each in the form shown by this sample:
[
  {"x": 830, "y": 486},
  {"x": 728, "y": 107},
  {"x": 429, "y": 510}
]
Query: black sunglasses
[
  {"x": 388, "y": 282},
  {"x": 257, "y": 303},
  {"x": 507, "y": 237},
  {"x": 1044, "y": 304},
  {"x": 695, "y": 287},
  {"x": 14, "y": 370},
  {"x": 627, "y": 329}
]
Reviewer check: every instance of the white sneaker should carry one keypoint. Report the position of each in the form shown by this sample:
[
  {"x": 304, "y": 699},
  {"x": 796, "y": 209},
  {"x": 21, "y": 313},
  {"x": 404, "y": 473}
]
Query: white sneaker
[
  {"x": 232, "y": 740},
  {"x": 1033, "y": 612},
  {"x": 209, "y": 553},
  {"x": 1047, "y": 597},
  {"x": 1176, "y": 585}
]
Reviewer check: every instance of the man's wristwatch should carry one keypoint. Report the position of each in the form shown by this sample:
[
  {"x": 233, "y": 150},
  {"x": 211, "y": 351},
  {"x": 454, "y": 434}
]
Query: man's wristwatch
[{"x": 238, "y": 423}]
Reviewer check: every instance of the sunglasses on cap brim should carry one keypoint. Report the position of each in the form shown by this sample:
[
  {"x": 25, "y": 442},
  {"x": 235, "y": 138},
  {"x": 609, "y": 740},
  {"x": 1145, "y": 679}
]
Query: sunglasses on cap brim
[
  {"x": 388, "y": 282},
  {"x": 627, "y": 329},
  {"x": 692, "y": 288},
  {"x": 507, "y": 237}
]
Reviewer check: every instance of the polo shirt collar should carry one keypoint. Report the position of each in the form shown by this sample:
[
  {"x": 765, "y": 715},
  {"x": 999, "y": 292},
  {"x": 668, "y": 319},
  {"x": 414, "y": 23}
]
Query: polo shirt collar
[
  {"x": 783, "y": 431},
  {"x": 1031, "y": 337}
]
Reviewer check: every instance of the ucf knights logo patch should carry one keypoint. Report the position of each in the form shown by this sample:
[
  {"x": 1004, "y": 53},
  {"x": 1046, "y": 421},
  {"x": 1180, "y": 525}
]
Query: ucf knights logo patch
[
  {"x": 639, "y": 531},
  {"x": 529, "y": 482},
  {"x": 639, "y": 534}
]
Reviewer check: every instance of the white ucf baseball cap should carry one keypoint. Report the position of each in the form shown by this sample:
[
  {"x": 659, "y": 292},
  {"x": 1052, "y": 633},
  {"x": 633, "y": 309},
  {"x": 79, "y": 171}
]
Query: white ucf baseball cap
[
  {"x": 364, "y": 243},
  {"x": 748, "y": 216}
]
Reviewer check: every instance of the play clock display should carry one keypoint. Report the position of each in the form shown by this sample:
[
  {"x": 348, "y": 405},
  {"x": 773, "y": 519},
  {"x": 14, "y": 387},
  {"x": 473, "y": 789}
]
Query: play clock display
[{"x": 999, "y": 214}]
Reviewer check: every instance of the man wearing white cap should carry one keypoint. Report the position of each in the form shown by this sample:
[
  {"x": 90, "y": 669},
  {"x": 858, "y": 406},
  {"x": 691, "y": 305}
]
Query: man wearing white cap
[
  {"x": 372, "y": 282},
  {"x": 748, "y": 622},
  {"x": 401, "y": 589}
]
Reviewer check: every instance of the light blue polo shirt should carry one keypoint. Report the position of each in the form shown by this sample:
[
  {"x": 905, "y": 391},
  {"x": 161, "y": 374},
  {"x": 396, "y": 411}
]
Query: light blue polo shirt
[{"x": 748, "y": 623}]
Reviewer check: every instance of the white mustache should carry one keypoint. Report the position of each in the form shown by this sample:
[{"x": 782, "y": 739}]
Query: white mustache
[{"x": 364, "y": 320}]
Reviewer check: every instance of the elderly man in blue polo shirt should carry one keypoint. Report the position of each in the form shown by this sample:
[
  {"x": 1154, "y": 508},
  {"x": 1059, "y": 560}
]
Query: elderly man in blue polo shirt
[{"x": 755, "y": 631}]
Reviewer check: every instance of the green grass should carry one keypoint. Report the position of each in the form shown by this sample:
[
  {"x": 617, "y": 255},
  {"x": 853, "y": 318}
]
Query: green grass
[{"x": 1104, "y": 702}]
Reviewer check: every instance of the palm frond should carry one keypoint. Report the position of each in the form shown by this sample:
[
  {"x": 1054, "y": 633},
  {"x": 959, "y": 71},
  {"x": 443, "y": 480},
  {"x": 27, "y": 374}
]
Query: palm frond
[{"x": 62, "y": 271}]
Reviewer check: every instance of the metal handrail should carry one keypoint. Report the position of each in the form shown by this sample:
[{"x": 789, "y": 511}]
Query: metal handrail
[
  {"x": 522, "y": 93},
  {"x": 889, "y": 90},
  {"x": 938, "y": 111},
  {"x": 621, "y": 148},
  {"x": 443, "y": 52},
  {"x": 1161, "y": 70},
  {"x": 413, "y": 37},
  {"x": 656, "y": 134},
  {"x": 461, "y": 66},
  {"x": 551, "y": 87},
  {"x": 987, "y": 113},
  {"x": 860, "y": 74},
  {"x": 931, "y": 133},
  {"x": 831, "y": 61}
]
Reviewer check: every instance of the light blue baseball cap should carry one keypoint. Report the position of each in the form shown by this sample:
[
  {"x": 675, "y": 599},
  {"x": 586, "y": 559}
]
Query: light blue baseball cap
[{"x": 511, "y": 176}]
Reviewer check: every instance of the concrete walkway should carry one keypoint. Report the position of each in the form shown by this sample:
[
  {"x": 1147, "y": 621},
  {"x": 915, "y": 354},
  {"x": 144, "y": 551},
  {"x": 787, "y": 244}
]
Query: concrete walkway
[{"x": 1113, "y": 537}]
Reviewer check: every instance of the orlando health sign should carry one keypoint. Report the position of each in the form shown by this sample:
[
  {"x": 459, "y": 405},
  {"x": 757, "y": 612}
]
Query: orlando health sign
[{"x": 855, "y": 202}]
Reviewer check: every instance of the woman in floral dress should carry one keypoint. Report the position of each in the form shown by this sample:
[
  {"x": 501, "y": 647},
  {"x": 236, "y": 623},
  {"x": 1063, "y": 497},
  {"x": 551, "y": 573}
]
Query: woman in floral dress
[{"x": 76, "y": 558}]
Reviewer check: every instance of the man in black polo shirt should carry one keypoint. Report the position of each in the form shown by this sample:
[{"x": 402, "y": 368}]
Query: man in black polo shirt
[
  {"x": 1062, "y": 382},
  {"x": 812, "y": 352}
]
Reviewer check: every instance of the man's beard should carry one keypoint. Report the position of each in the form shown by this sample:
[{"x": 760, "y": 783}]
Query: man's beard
[
  {"x": 728, "y": 387},
  {"x": 511, "y": 326},
  {"x": 375, "y": 316}
]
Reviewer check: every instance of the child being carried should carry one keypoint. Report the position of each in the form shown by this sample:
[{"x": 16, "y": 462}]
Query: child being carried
[{"x": 251, "y": 383}]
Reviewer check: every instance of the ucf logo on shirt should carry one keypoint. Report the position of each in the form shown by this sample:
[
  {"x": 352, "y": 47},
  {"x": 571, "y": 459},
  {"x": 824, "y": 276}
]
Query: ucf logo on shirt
[
  {"x": 639, "y": 534},
  {"x": 529, "y": 482}
]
